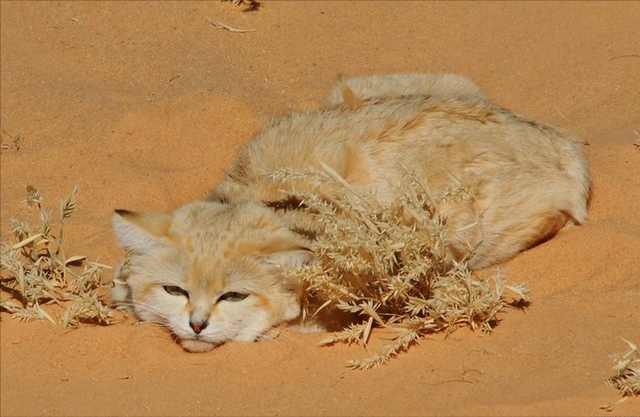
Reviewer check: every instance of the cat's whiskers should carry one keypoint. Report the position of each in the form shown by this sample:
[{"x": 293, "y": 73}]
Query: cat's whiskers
[
  {"x": 153, "y": 309},
  {"x": 165, "y": 334}
]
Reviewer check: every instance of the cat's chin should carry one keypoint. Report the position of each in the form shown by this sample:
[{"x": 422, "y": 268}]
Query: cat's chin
[{"x": 196, "y": 346}]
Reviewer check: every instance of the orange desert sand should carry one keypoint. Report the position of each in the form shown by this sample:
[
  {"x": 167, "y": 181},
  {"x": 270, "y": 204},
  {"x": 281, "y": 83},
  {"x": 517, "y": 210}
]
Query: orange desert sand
[{"x": 144, "y": 105}]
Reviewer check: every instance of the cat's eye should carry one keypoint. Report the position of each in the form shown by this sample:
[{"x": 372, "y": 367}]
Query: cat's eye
[
  {"x": 175, "y": 290},
  {"x": 233, "y": 296}
]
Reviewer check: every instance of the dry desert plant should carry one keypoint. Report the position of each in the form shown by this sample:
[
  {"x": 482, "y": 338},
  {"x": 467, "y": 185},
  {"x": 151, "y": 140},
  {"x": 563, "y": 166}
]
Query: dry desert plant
[
  {"x": 13, "y": 141},
  {"x": 249, "y": 5},
  {"x": 35, "y": 272},
  {"x": 387, "y": 263},
  {"x": 627, "y": 377}
]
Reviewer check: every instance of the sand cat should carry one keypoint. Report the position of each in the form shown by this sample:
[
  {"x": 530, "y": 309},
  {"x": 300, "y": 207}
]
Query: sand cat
[{"x": 214, "y": 271}]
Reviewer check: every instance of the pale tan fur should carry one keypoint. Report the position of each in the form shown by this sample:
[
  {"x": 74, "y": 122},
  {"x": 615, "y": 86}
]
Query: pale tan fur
[
  {"x": 397, "y": 85},
  {"x": 209, "y": 250},
  {"x": 525, "y": 180}
]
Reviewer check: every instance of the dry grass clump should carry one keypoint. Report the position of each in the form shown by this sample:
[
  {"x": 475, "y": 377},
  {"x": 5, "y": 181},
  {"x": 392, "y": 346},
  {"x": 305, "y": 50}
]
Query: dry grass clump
[
  {"x": 12, "y": 143},
  {"x": 35, "y": 271},
  {"x": 627, "y": 377},
  {"x": 249, "y": 5},
  {"x": 387, "y": 263}
]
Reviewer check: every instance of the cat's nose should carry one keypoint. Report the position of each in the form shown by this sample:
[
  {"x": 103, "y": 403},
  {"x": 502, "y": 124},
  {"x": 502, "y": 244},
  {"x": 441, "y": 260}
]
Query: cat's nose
[{"x": 198, "y": 325}]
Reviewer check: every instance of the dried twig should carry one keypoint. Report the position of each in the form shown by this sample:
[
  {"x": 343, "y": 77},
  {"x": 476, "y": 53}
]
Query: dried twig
[
  {"x": 625, "y": 56},
  {"x": 221, "y": 25}
]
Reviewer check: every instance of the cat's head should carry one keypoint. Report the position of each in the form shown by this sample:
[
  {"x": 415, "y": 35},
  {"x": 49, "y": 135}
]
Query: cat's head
[{"x": 210, "y": 272}]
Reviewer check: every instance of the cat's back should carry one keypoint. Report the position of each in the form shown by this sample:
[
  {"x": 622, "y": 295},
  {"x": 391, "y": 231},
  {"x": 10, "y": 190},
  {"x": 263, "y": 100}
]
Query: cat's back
[
  {"x": 527, "y": 179},
  {"x": 341, "y": 137},
  {"x": 436, "y": 134}
]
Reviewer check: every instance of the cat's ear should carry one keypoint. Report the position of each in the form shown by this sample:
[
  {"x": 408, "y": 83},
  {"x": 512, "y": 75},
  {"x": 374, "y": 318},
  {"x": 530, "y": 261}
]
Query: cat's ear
[
  {"x": 138, "y": 232},
  {"x": 351, "y": 101},
  {"x": 289, "y": 258},
  {"x": 284, "y": 252}
]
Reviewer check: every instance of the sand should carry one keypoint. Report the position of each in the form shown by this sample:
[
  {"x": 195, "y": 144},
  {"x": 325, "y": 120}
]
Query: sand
[{"x": 144, "y": 105}]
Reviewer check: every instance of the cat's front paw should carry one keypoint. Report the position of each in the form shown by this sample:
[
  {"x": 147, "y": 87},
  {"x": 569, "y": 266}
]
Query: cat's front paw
[{"x": 196, "y": 346}]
